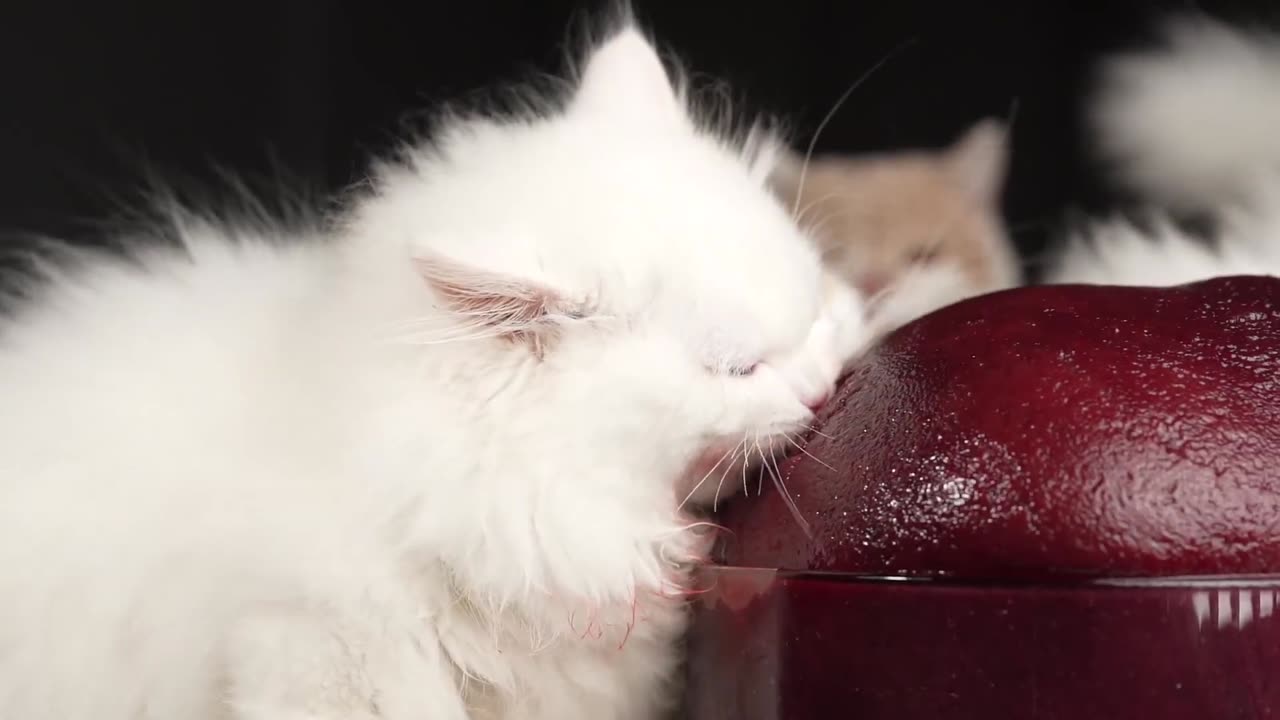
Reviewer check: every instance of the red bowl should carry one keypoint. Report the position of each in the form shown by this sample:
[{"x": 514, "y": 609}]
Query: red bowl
[
  {"x": 771, "y": 645},
  {"x": 1054, "y": 502}
]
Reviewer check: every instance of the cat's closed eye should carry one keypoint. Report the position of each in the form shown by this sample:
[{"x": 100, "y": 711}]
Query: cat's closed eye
[
  {"x": 743, "y": 370},
  {"x": 923, "y": 254}
]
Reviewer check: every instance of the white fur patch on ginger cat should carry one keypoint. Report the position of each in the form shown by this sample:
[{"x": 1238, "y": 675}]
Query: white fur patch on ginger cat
[
  {"x": 914, "y": 229},
  {"x": 431, "y": 463}
]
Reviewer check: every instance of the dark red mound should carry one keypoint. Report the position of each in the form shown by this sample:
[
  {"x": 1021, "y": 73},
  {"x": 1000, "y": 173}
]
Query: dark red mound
[{"x": 1046, "y": 431}]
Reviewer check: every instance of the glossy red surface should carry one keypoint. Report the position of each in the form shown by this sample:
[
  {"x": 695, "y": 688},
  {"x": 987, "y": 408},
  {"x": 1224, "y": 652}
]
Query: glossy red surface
[
  {"x": 1046, "y": 432},
  {"x": 1015, "y": 454},
  {"x": 767, "y": 646}
]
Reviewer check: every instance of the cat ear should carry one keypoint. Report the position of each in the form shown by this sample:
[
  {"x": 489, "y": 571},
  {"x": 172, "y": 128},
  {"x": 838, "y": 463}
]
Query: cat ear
[
  {"x": 980, "y": 159},
  {"x": 624, "y": 80},
  {"x": 515, "y": 309}
]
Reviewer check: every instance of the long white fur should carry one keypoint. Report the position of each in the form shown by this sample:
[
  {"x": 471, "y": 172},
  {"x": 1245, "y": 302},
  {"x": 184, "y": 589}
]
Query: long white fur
[
  {"x": 282, "y": 478},
  {"x": 1189, "y": 122},
  {"x": 1192, "y": 125}
]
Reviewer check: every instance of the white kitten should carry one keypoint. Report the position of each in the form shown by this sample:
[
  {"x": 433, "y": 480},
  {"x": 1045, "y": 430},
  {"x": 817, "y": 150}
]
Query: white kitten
[
  {"x": 1193, "y": 126},
  {"x": 428, "y": 467}
]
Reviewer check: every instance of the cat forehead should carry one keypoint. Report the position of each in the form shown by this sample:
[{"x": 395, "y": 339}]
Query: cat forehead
[
  {"x": 581, "y": 164},
  {"x": 909, "y": 172},
  {"x": 593, "y": 190},
  {"x": 614, "y": 222},
  {"x": 747, "y": 306},
  {"x": 903, "y": 194}
]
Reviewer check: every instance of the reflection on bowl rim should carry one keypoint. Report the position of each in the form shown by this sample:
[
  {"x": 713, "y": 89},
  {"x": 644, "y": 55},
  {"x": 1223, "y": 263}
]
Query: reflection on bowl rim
[{"x": 1062, "y": 582}]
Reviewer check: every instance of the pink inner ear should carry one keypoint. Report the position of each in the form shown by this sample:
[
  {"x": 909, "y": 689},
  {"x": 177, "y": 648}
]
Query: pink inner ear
[{"x": 517, "y": 309}]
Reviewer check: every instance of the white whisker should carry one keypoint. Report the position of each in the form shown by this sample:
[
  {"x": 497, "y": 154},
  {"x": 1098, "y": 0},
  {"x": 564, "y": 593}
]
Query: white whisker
[
  {"x": 815, "y": 229},
  {"x": 813, "y": 142},
  {"x": 715, "y": 502},
  {"x": 704, "y": 478},
  {"x": 797, "y": 445},
  {"x": 812, "y": 205},
  {"x": 776, "y": 473},
  {"x": 760, "y": 475},
  {"x": 817, "y": 432},
  {"x": 445, "y": 340},
  {"x": 777, "y": 470}
]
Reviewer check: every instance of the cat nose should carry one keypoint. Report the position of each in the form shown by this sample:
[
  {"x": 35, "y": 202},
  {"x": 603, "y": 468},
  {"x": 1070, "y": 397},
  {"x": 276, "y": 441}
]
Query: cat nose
[
  {"x": 872, "y": 283},
  {"x": 816, "y": 402}
]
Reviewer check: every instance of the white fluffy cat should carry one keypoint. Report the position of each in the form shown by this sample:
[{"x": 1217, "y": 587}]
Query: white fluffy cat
[
  {"x": 428, "y": 465},
  {"x": 1193, "y": 126}
]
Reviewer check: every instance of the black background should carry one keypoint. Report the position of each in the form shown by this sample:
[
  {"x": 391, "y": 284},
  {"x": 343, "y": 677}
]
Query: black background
[{"x": 96, "y": 94}]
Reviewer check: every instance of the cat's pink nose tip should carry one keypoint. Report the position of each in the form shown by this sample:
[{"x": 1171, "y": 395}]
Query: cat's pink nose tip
[
  {"x": 815, "y": 403},
  {"x": 872, "y": 284}
]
